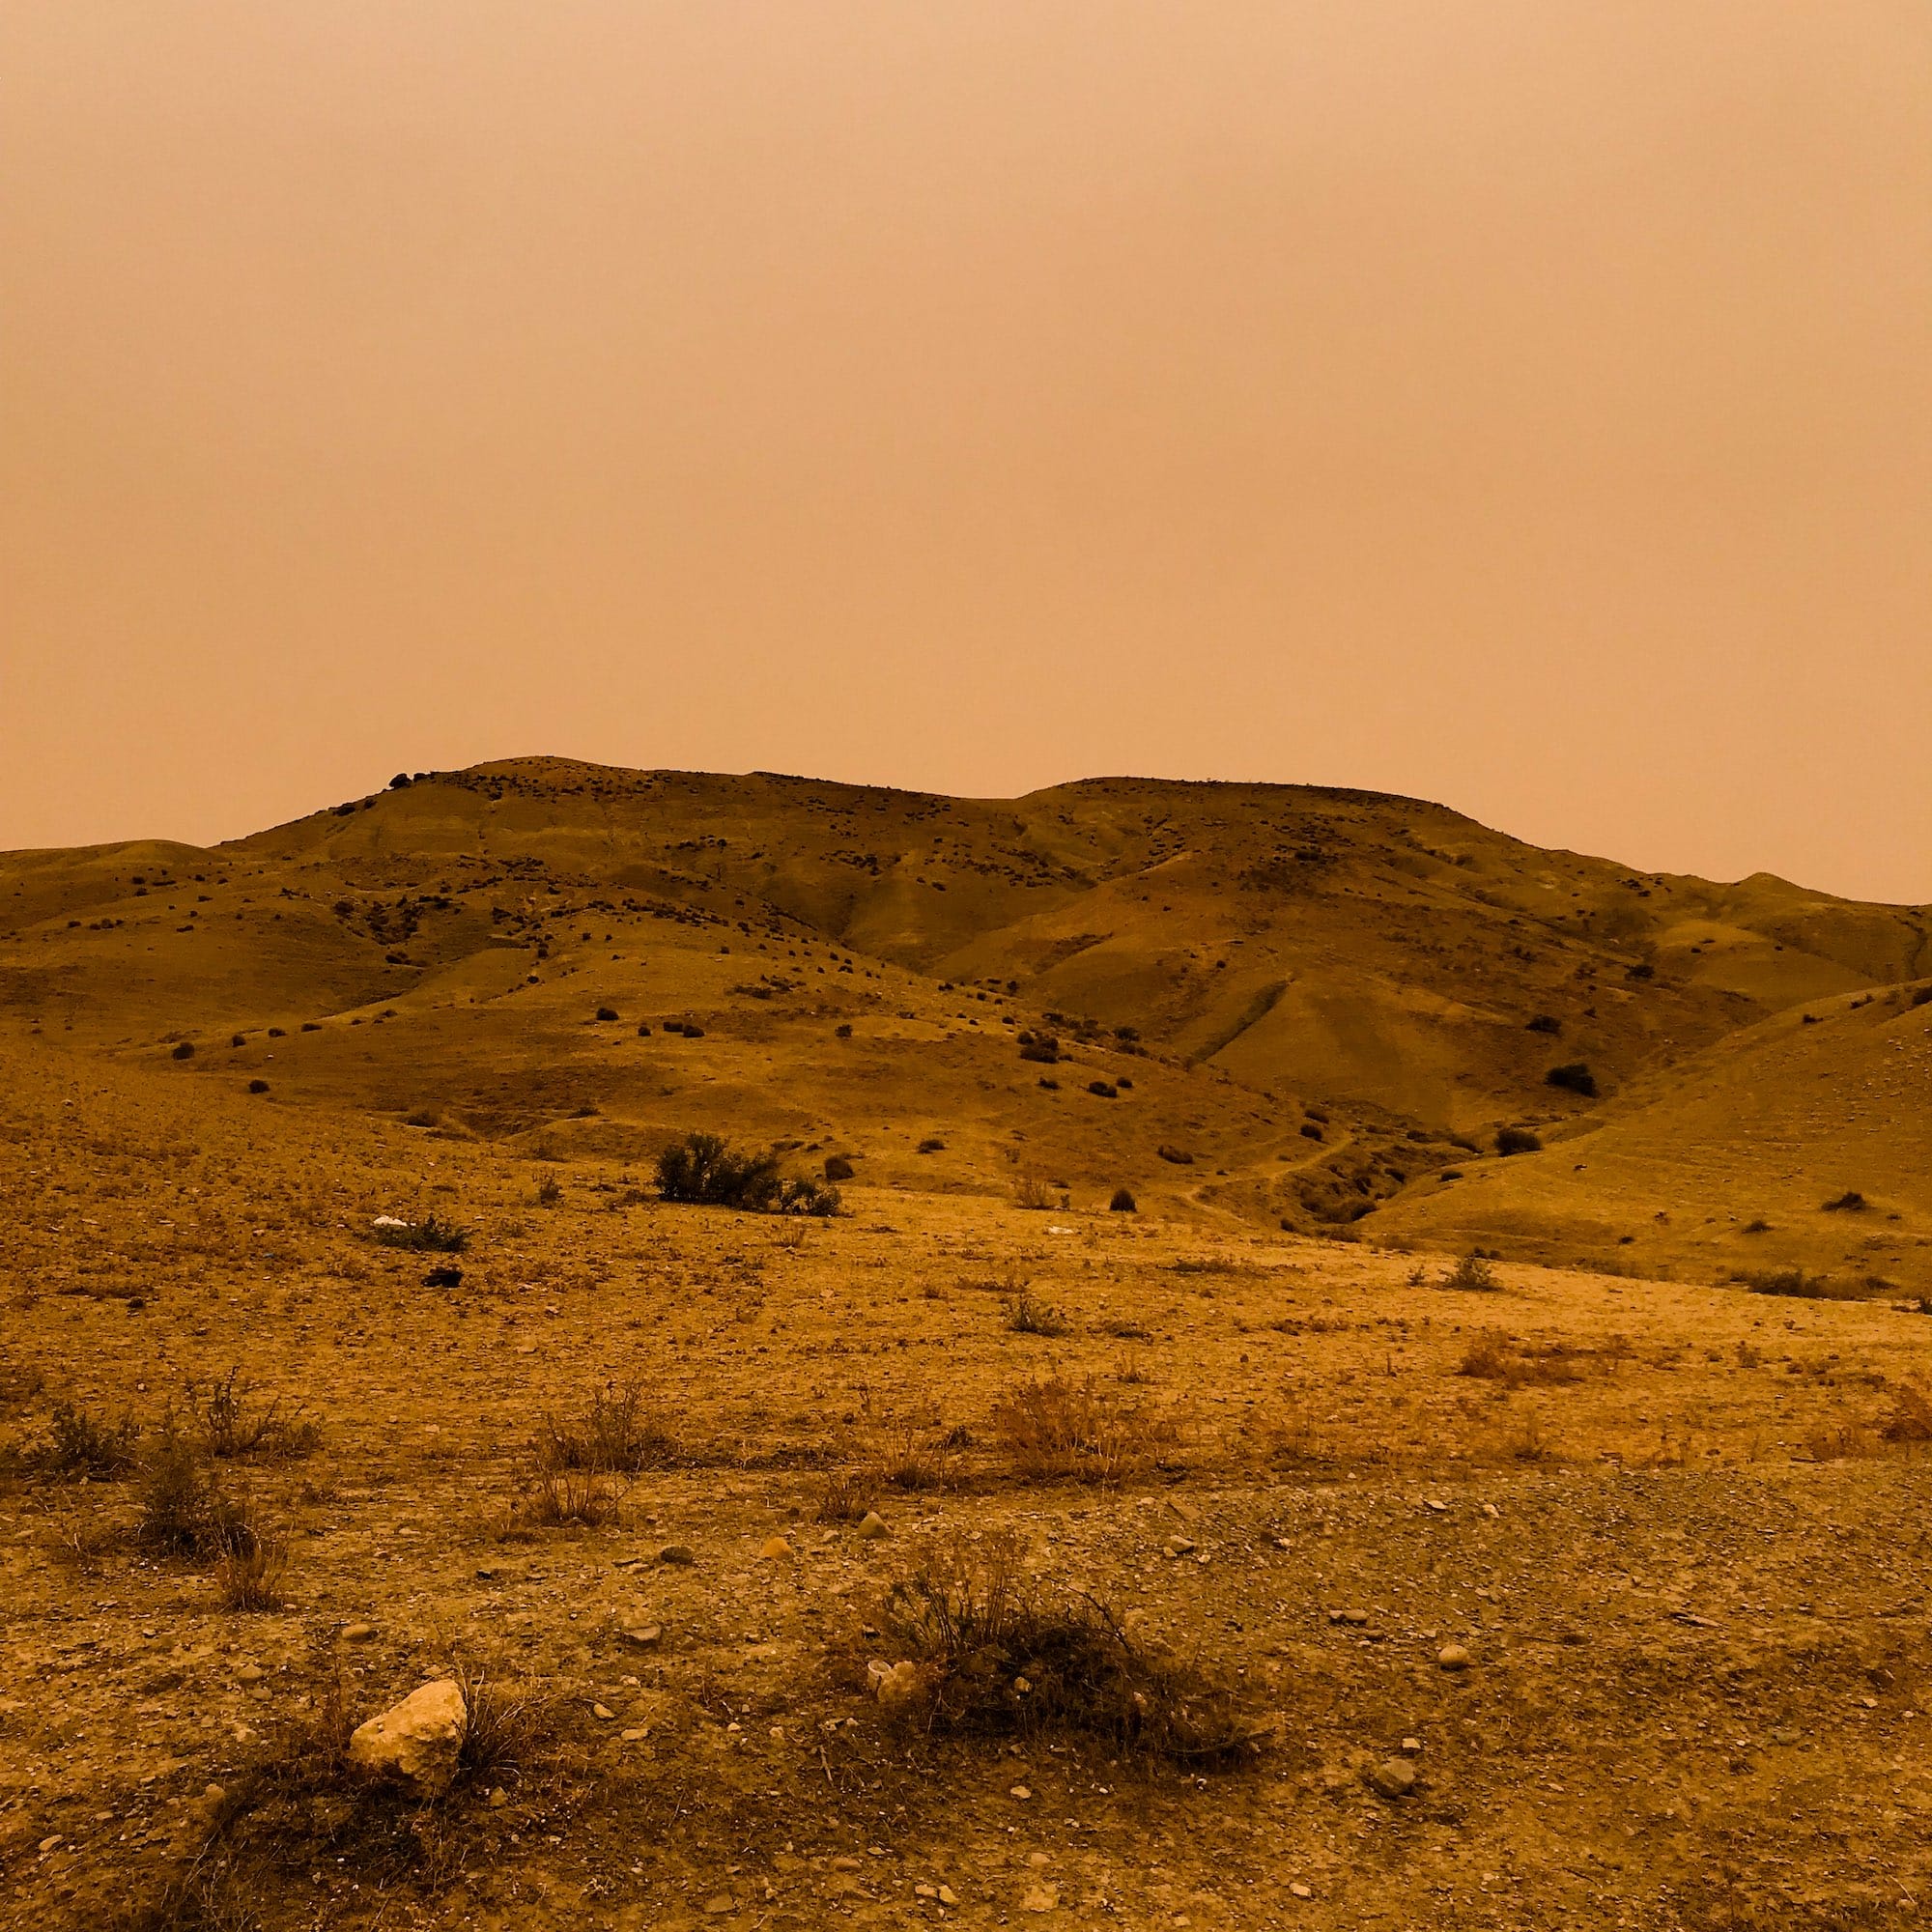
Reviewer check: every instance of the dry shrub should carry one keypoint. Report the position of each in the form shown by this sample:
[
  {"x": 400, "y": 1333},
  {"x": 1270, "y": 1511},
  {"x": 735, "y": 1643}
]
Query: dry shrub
[
  {"x": 230, "y": 1422},
  {"x": 1473, "y": 1274},
  {"x": 614, "y": 1436},
  {"x": 250, "y": 1578},
  {"x": 996, "y": 1658},
  {"x": 300, "y": 1807},
  {"x": 428, "y": 1236},
  {"x": 1053, "y": 1429},
  {"x": 908, "y": 1461},
  {"x": 78, "y": 1444},
  {"x": 1911, "y": 1418},
  {"x": 1795, "y": 1283},
  {"x": 1028, "y": 1314},
  {"x": 183, "y": 1510},
  {"x": 1031, "y": 1191},
  {"x": 570, "y": 1500},
  {"x": 1840, "y": 1442},
  {"x": 1497, "y": 1357},
  {"x": 848, "y": 1496}
]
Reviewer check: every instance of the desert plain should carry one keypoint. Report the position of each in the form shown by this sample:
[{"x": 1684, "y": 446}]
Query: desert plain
[{"x": 1362, "y": 1374}]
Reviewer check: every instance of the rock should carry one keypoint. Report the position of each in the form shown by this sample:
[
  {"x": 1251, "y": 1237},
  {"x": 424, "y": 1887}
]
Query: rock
[
  {"x": 678, "y": 1552},
  {"x": 1393, "y": 1778},
  {"x": 1178, "y": 1546},
  {"x": 874, "y": 1526},
  {"x": 603, "y": 1711},
  {"x": 1021, "y": 1791},
  {"x": 642, "y": 1637},
  {"x": 1300, "y": 1890},
  {"x": 894, "y": 1685},
  {"x": 717, "y": 1907},
  {"x": 947, "y": 1896},
  {"x": 498, "y": 1797},
  {"x": 635, "y": 1736},
  {"x": 417, "y": 1740},
  {"x": 1410, "y": 1746},
  {"x": 1040, "y": 1898},
  {"x": 773, "y": 1549},
  {"x": 1453, "y": 1657},
  {"x": 250, "y": 1673},
  {"x": 357, "y": 1632},
  {"x": 1354, "y": 1618}
]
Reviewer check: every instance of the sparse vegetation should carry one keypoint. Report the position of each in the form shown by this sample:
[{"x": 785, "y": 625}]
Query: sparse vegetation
[
  {"x": 79, "y": 1444},
  {"x": 615, "y": 1433},
  {"x": 1028, "y": 1314},
  {"x": 1473, "y": 1274},
  {"x": 429, "y": 1235},
  {"x": 703, "y": 1170},
  {"x": 1056, "y": 1429},
  {"x": 992, "y": 1657},
  {"x": 231, "y": 1420}
]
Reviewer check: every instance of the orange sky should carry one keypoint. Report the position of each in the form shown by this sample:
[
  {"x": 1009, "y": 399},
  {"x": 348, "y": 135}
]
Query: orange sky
[{"x": 1521, "y": 403}]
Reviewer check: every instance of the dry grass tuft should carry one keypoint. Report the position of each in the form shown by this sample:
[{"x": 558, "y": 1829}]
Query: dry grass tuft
[
  {"x": 1028, "y": 1314},
  {"x": 614, "y": 1436},
  {"x": 992, "y": 1658},
  {"x": 554, "y": 1499},
  {"x": 231, "y": 1423},
  {"x": 250, "y": 1578},
  {"x": 1054, "y": 1430},
  {"x": 1910, "y": 1419}
]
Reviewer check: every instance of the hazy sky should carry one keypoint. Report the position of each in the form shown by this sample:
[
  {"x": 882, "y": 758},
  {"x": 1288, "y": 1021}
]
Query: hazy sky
[{"x": 1527, "y": 404}]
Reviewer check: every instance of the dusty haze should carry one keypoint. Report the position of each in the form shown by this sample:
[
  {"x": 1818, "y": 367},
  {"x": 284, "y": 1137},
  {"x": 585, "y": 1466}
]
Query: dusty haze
[{"x": 1516, "y": 402}]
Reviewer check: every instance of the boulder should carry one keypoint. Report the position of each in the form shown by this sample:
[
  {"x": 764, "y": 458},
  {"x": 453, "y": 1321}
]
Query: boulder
[{"x": 416, "y": 1741}]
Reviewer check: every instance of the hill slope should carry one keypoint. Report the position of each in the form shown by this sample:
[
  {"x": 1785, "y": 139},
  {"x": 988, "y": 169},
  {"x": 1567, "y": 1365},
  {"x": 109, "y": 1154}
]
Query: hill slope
[{"x": 1236, "y": 955}]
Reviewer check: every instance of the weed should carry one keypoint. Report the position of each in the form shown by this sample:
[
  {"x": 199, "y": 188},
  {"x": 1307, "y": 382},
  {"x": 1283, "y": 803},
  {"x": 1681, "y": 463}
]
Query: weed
[
  {"x": 614, "y": 1436},
  {"x": 702, "y": 1169},
  {"x": 1472, "y": 1275},
  {"x": 549, "y": 1191},
  {"x": 570, "y": 1500},
  {"x": 230, "y": 1424},
  {"x": 250, "y": 1578},
  {"x": 78, "y": 1445},
  {"x": 848, "y": 1496},
  {"x": 1911, "y": 1417},
  {"x": 994, "y": 1657},
  {"x": 429, "y": 1234},
  {"x": 1053, "y": 1429},
  {"x": 1033, "y": 1192}
]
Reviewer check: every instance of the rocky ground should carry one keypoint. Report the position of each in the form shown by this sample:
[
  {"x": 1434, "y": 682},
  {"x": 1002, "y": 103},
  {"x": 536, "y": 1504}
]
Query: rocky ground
[{"x": 1564, "y": 1599}]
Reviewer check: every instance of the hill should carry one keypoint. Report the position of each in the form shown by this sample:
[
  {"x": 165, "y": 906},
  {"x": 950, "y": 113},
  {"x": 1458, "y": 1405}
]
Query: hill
[{"x": 1315, "y": 998}]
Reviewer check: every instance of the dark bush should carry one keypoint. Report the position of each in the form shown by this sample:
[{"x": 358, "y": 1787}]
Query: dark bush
[
  {"x": 703, "y": 1170},
  {"x": 1124, "y": 1202},
  {"x": 1574, "y": 1079},
  {"x": 1545, "y": 1023},
  {"x": 644, "y": 1030},
  {"x": 1518, "y": 1140},
  {"x": 1922, "y": 997},
  {"x": 990, "y": 1656},
  {"x": 838, "y": 1167},
  {"x": 1310, "y": 1131},
  {"x": 401, "y": 782},
  {"x": 842, "y": 1031},
  {"x": 605, "y": 1014},
  {"x": 1105, "y": 1088},
  {"x": 258, "y": 1086},
  {"x": 1851, "y": 1201},
  {"x": 1040, "y": 1046},
  {"x": 184, "y": 1051}
]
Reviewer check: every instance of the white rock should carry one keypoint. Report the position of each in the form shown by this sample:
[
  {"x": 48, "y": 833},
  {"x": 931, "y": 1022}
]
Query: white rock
[{"x": 417, "y": 1740}]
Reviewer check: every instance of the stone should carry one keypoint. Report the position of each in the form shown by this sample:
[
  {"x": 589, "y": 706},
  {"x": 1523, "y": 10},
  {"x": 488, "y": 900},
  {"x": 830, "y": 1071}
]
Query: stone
[
  {"x": 642, "y": 1637},
  {"x": 678, "y": 1552},
  {"x": 419, "y": 1740},
  {"x": 603, "y": 1712},
  {"x": 1178, "y": 1546},
  {"x": 894, "y": 1685},
  {"x": 357, "y": 1632},
  {"x": 874, "y": 1526},
  {"x": 1410, "y": 1746},
  {"x": 498, "y": 1797},
  {"x": 1040, "y": 1898},
  {"x": 1453, "y": 1657},
  {"x": 1354, "y": 1618},
  {"x": 947, "y": 1896},
  {"x": 1300, "y": 1890},
  {"x": 1393, "y": 1778},
  {"x": 1021, "y": 1792},
  {"x": 250, "y": 1673},
  {"x": 773, "y": 1549}
]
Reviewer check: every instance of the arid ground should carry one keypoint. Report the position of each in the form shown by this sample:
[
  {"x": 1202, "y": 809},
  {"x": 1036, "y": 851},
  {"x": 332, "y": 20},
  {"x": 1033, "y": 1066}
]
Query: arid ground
[{"x": 1403, "y": 1534}]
